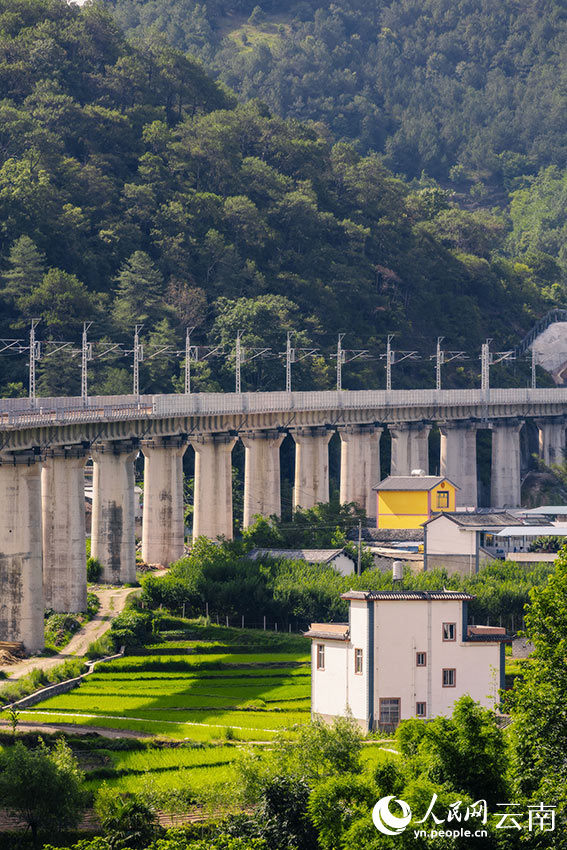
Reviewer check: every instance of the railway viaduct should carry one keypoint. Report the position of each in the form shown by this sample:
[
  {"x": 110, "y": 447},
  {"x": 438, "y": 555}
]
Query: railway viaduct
[{"x": 44, "y": 446}]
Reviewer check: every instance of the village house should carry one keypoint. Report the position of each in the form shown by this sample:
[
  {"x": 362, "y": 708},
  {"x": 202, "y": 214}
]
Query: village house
[
  {"x": 403, "y": 654},
  {"x": 337, "y": 558},
  {"x": 407, "y": 501},
  {"x": 463, "y": 542}
]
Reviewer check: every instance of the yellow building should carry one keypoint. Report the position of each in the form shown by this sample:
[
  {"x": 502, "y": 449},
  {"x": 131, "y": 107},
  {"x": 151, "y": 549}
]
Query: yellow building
[{"x": 407, "y": 501}]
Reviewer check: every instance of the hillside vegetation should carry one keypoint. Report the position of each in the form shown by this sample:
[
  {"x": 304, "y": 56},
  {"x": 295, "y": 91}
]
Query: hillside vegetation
[
  {"x": 133, "y": 189},
  {"x": 459, "y": 88}
]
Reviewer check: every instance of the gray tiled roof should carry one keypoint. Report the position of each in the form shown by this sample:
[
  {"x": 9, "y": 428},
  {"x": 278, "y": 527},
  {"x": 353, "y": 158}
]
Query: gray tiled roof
[
  {"x": 380, "y": 595},
  {"x": 312, "y": 556},
  {"x": 411, "y": 482},
  {"x": 479, "y": 519}
]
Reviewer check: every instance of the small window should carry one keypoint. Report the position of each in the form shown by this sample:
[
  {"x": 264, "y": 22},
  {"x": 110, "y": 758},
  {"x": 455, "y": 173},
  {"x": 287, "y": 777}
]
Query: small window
[
  {"x": 358, "y": 662},
  {"x": 449, "y": 631},
  {"x": 449, "y": 677},
  {"x": 421, "y": 709},
  {"x": 443, "y": 499},
  {"x": 320, "y": 656},
  {"x": 421, "y": 659}
]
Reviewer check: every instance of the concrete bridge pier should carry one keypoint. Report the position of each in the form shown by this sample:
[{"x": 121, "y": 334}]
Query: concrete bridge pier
[
  {"x": 410, "y": 447},
  {"x": 505, "y": 473},
  {"x": 163, "y": 528},
  {"x": 360, "y": 465},
  {"x": 21, "y": 572},
  {"x": 311, "y": 483},
  {"x": 63, "y": 517},
  {"x": 458, "y": 459},
  {"x": 113, "y": 539},
  {"x": 212, "y": 511},
  {"x": 551, "y": 439},
  {"x": 261, "y": 474}
]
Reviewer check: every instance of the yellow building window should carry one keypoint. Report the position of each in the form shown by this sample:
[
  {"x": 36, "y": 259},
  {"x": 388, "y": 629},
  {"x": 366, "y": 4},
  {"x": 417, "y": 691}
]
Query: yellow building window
[{"x": 443, "y": 499}]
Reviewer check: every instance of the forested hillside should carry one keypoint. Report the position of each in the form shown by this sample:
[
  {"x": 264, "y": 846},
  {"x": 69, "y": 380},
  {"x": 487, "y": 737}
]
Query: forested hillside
[
  {"x": 133, "y": 189},
  {"x": 461, "y": 88}
]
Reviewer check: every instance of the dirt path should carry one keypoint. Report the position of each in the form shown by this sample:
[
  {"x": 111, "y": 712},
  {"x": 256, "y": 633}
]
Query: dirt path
[
  {"x": 73, "y": 729},
  {"x": 112, "y": 602}
]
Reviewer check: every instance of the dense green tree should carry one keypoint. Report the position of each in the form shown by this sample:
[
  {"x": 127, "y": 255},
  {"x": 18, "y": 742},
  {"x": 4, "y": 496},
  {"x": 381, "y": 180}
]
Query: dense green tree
[
  {"x": 139, "y": 295},
  {"x": 26, "y": 267},
  {"x": 42, "y": 787}
]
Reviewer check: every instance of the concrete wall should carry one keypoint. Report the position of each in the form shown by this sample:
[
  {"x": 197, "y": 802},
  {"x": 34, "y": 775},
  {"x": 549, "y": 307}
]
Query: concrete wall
[
  {"x": 403, "y": 628},
  {"x": 329, "y": 686}
]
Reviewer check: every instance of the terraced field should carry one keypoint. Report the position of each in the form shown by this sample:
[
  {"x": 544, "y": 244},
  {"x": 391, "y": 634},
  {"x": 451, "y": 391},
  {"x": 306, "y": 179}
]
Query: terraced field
[{"x": 201, "y": 690}]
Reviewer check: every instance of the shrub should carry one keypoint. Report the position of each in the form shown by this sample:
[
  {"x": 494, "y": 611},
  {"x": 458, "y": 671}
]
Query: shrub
[
  {"x": 101, "y": 647},
  {"x": 94, "y": 570}
]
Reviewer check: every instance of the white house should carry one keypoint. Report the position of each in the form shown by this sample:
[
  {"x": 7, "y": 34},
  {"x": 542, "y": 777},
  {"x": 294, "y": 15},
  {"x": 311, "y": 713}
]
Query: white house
[
  {"x": 462, "y": 542},
  {"x": 403, "y": 654},
  {"x": 336, "y": 558}
]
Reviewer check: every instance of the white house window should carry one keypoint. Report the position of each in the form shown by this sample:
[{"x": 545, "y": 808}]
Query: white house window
[
  {"x": 421, "y": 709},
  {"x": 449, "y": 677},
  {"x": 320, "y": 656},
  {"x": 358, "y": 662},
  {"x": 449, "y": 631},
  {"x": 421, "y": 659}
]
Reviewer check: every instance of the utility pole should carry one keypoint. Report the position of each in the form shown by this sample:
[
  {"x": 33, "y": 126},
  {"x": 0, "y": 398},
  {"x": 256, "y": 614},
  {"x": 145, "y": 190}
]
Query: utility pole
[
  {"x": 359, "y": 559},
  {"x": 289, "y": 359},
  {"x": 340, "y": 359},
  {"x": 485, "y": 365},
  {"x": 138, "y": 358},
  {"x": 188, "y": 332},
  {"x": 534, "y": 379},
  {"x": 389, "y": 362},
  {"x": 238, "y": 360},
  {"x": 34, "y": 355},
  {"x": 438, "y": 363},
  {"x": 86, "y": 355}
]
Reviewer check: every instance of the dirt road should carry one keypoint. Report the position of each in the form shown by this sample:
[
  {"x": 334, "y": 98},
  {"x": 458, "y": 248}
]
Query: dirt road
[{"x": 112, "y": 602}]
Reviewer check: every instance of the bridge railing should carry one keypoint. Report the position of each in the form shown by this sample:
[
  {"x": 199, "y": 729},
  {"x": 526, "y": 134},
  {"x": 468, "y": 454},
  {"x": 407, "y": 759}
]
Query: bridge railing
[{"x": 19, "y": 413}]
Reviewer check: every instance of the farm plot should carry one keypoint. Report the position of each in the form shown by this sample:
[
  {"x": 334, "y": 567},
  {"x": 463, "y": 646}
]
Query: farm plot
[
  {"x": 203, "y": 695},
  {"x": 197, "y": 772}
]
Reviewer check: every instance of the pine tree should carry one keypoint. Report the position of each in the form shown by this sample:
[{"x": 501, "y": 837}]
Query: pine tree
[
  {"x": 26, "y": 269},
  {"x": 139, "y": 295}
]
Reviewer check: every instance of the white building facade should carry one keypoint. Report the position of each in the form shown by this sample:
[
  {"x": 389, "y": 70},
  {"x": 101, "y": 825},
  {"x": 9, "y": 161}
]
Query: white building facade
[{"x": 403, "y": 654}]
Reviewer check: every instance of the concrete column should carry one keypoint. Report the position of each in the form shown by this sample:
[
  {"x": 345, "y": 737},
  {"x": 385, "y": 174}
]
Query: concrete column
[
  {"x": 212, "y": 510},
  {"x": 261, "y": 474},
  {"x": 163, "y": 527},
  {"x": 410, "y": 447},
  {"x": 458, "y": 459},
  {"x": 311, "y": 467},
  {"x": 360, "y": 465},
  {"x": 505, "y": 480},
  {"x": 112, "y": 539},
  {"x": 551, "y": 439},
  {"x": 63, "y": 515},
  {"x": 21, "y": 572}
]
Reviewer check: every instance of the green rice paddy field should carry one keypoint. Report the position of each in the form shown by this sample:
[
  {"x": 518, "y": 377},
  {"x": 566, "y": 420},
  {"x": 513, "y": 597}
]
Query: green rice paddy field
[
  {"x": 213, "y": 695},
  {"x": 201, "y": 690}
]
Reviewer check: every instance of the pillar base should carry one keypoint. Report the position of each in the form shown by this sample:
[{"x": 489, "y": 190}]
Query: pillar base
[
  {"x": 212, "y": 511},
  {"x": 64, "y": 540},
  {"x": 113, "y": 540},
  {"x": 163, "y": 526},
  {"x": 21, "y": 572},
  {"x": 262, "y": 496},
  {"x": 311, "y": 467}
]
